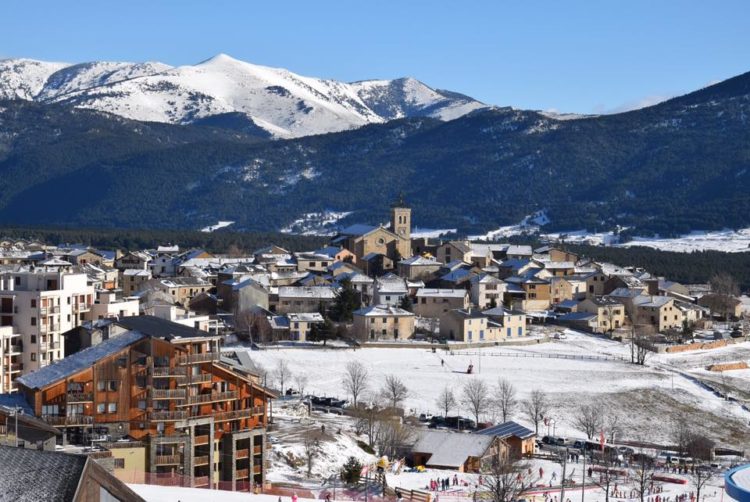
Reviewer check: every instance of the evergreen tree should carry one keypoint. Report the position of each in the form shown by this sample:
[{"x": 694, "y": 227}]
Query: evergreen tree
[
  {"x": 347, "y": 301},
  {"x": 406, "y": 303},
  {"x": 351, "y": 471}
]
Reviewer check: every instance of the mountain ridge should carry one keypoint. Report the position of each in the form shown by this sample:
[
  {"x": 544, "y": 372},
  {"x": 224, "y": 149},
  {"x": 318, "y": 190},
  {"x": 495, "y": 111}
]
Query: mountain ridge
[{"x": 277, "y": 100}]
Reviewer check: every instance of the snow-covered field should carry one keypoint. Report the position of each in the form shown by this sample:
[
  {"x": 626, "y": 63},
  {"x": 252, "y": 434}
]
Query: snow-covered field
[
  {"x": 729, "y": 241},
  {"x": 647, "y": 398},
  {"x": 529, "y": 225},
  {"x": 219, "y": 225}
]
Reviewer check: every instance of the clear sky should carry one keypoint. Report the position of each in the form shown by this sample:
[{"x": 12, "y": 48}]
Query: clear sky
[{"x": 570, "y": 56}]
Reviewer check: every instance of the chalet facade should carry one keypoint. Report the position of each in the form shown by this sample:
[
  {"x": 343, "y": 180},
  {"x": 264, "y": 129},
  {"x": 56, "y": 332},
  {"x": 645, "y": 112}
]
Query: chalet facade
[{"x": 162, "y": 384}]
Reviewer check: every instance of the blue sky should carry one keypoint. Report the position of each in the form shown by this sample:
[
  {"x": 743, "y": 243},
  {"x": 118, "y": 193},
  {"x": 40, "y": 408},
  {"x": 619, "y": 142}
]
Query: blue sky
[{"x": 570, "y": 56}]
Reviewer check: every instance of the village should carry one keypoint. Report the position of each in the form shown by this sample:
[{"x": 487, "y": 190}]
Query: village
[{"x": 381, "y": 366}]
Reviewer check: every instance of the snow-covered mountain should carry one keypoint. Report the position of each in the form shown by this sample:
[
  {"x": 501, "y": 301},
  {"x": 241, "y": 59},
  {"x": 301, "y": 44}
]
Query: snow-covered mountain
[{"x": 279, "y": 101}]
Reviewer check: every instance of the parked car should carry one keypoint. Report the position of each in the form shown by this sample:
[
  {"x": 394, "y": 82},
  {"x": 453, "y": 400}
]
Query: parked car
[
  {"x": 560, "y": 336},
  {"x": 626, "y": 450}
]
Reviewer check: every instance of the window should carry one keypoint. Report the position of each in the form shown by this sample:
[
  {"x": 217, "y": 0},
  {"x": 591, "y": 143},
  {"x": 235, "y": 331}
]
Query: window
[
  {"x": 33, "y": 356},
  {"x": 33, "y": 338},
  {"x": 142, "y": 404},
  {"x": 520, "y": 331},
  {"x": 33, "y": 303},
  {"x": 50, "y": 409},
  {"x": 33, "y": 321},
  {"x": 100, "y": 408},
  {"x": 112, "y": 385},
  {"x": 111, "y": 407},
  {"x": 509, "y": 332},
  {"x": 119, "y": 463},
  {"x": 100, "y": 385}
]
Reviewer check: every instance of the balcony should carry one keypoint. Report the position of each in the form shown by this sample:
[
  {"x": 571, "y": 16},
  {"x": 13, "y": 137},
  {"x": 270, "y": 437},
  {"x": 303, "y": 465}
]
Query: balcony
[
  {"x": 49, "y": 310},
  {"x": 201, "y": 440},
  {"x": 200, "y": 481},
  {"x": 78, "y": 307},
  {"x": 256, "y": 469},
  {"x": 168, "y": 459},
  {"x": 15, "y": 348},
  {"x": 16, "y": 367},
  {"x": 242, "y": 473},
  {"x": 202, "y": 460},
  {"x": 167, "y": 372},
  {"x": 80, "y": 397},
  {"x": 257, "y": 450},
  {"x": 167, "y": 393},
  {"x": 212, "y": 397},
  {"x": 76, "y": 420},
  {"x": 48, "y": 328},
  {"x": 198, "y": 358},
  {"x": 223, "y": 416},
  {"x": 168, "y": 416},
  {"x": 242, "y": 453},
  {"x": 197, "y": 379}
]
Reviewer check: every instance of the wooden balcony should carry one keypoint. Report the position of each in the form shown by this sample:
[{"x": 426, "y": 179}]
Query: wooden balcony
[
  {"x": 257, "y": 450},
  {"x": 71, "y": 421},
  {"x": 242, "y": 453},
  {"x": 168, "y": 459},
  {"x": 198, "y": 358},
  {"x": 167, "y": 372},
  {"x": 168, "y": 393},
  {"x": 200, "y": 481},
  {"x": 80, "y": 397},
  {"x": 196, "y": 379},
  {"x": 243, "y": 473},
  {"x": 200, "y": 440},
  {"x": 223, "y": 416},
  {"x": 212, "y": 397},
  {"x": 202, "y": 460},
  {"x": 256, "y": 469},
  {"x": 168, "y": 416}
]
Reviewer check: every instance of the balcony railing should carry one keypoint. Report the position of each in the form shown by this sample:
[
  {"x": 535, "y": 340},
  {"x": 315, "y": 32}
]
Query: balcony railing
[
  {"x": 198, "y": 358},
  {"x": 202, "y": 460},
  {"x": 200, "y": 480},
  {"x": 16, "y": 348},
  {"x": 49, "y": 310},
  {"x": 212, "y": 397},
  {"x": 223, "y": 416},
  {"x": 59, "y": 421},
  {"x": 81, "y": 306},
  {"x": 197, "y": 379},
  {"x": 243, "y": 453},
  {"x": 46, "y": 328},
  {"x": 14, "y": 367},
  {"x": 168, "y": 393},
  {"x": 200, "y": 440},
  {"x": 168, "y": 416},
  {"x": 80, "y": 397},
  {"x": 168, "y": 459},
  {"x": 167, "y": 372},
  {"x": 242, "y": 473},
  {"x": 257, "y": 450}
]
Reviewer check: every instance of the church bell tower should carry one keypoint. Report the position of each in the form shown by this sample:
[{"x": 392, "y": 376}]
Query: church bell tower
[{"x": 401, "y": 218}]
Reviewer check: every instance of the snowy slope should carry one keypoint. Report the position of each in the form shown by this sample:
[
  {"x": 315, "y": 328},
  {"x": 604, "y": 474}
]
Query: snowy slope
[
  {"x": 24, "y": 78},
  {"x": 281, "y": 102}
]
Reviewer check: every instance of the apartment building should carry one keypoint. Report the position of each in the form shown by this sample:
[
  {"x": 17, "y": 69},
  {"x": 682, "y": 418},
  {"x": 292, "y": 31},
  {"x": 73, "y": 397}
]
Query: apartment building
[
  {"x": 11, "y": 358},
  {"x": 40, "y": 302},
  {"x": 163, "y": 384},
  {"x": 110, "y": 304}
]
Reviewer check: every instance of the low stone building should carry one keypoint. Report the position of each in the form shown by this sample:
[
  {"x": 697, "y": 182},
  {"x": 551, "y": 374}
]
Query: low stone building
[{"x": 383, "y": 323}]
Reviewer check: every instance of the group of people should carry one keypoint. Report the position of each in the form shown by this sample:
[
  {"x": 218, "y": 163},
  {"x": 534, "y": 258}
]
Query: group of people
[{"x": 443, "y": 484}]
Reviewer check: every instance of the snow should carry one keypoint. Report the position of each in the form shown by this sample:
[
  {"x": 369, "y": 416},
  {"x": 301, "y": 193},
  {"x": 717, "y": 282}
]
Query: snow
[
  {"x": 728, "y": 241},
  {"x": 219, "y": 225},
  {"x": 317, "y": 223},
  {"x": 154, "y": 493},
  {"x": 651, "y": 390},
  {"x": 431, "y": 233},
  {"x": 529, "y": 225},
  {"x": 281, "y": 102}
]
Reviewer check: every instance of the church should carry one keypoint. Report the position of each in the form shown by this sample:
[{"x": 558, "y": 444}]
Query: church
[{"x": 366, "y": 241}]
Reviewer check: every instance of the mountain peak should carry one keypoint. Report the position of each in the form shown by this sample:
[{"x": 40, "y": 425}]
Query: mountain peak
[{"x": 220, "y": 58}]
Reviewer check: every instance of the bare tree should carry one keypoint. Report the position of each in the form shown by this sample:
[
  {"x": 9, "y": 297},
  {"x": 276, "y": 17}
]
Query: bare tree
[
  {"x": 301, "y": 380},
  {"x": 606, "y": 476},
  {"x": 262, "y": 374},
  {"x": 643, "y": 471},
  {"x": 392, "y": 437},
  {"x": 253, "y": 325},
  {"x": 282, "y": 373},
  {"x": 355, "y": 380},
  {"x": 366, "y": 420},
  {"x": 612, "y": 425},
  {"x": 536, "y": 407},
  {"x": 588, "y": 419},
  {"x": 446, "y": 400},
  {"x": 394, "y": 391},
  {"x": 311, "y": 449},
  {"x": 700, "y": 476},
  {"x": 505, "y": 478},
  {"x": 475, "y": 397},
  {"x": 505, "y": 399},
  {"x": 681, "y": 433},
  {"x": 722, "y": 299},
  {"x": 639, "y": 346}
]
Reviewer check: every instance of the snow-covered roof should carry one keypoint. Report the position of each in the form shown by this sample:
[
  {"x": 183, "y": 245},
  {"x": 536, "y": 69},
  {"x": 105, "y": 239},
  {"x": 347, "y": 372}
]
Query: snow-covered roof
[
  {"x": 383, "y": 311},
  {"x": 420, "y": 261},
  {"x": 507, "y": 429},
  {"x": 441, "y": 293},
  {"x": 79, "y": 361},
  {"x": 322, "y": 292},
  {"x": 652, "y": 301},
  {"x": 305, "y": 317},
  {"x": 451, "y": 449}
]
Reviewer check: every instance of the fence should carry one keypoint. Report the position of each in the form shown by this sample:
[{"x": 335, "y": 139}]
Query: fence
[{"x": 583, "y": 357}]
